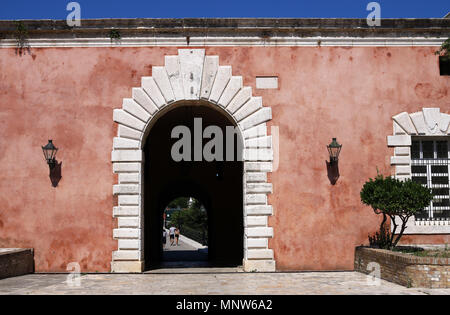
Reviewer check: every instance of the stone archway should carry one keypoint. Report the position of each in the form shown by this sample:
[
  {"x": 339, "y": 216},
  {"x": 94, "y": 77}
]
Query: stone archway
[{"x": 191, "y": 76}]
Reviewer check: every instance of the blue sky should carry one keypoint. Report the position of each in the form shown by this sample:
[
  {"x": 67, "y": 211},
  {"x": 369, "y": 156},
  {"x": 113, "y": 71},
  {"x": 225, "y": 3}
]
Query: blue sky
[{"x": 56, "y": 9}]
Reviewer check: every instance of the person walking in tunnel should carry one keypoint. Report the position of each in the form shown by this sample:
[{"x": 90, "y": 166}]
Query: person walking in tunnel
[
  {"x": 172, "y": 235},
  {"x": 164, "y": 239},
  {"x": 177, "y": 235}
]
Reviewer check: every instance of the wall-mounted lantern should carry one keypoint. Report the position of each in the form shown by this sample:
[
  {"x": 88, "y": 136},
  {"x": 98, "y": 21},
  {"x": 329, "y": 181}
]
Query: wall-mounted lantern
[
  {"x": 334, "y": 148},
  {"x": 50, "y": 153}
]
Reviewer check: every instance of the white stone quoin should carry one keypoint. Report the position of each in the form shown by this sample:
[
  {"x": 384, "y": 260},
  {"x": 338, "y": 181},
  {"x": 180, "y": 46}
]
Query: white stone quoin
[{"x": 191, "y": 76}]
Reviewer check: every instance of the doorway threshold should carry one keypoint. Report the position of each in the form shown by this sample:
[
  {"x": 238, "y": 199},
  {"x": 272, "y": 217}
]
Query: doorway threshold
[{"x": 189, "y": 267}]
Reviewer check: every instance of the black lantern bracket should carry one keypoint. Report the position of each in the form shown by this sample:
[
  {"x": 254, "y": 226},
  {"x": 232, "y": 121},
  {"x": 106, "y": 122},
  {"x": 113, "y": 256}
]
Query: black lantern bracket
[{"x": 334, "y": 149}]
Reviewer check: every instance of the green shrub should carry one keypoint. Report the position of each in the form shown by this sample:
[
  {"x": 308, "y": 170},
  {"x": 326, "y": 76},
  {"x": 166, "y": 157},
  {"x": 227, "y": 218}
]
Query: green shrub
[{"x": 394, "y": 199}]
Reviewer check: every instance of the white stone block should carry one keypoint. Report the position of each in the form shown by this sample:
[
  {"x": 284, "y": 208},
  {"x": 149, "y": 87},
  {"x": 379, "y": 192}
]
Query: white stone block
[
  {"x": 257, "y": 242},
  {"x": 191, "y": 67},
  {"x": 419, "y": 123},
  {"x": 126, "y": 156},
  {"x": 259, "y": 210},
  {"x": 126, "y": 167},
  {"x": 221, "y": 81},
  {"x": 128, "y": 178},
  {"x": 256, "y": 177},
  {"x": 130, "y": 106},
  {"x": 432, "y": 117},
  {"x": 233, "y": 87},
  {"x": 141, "y": 97},
  {"x": 444, "y": 123},
  {"x": 256, "y": 221},
  {"x": 259, "y": 232},
  {"x": 256, "y": 199},
  {"x": 403, "y": 170},
  {"x": 260, "y": 154},
  {"x": 405, "y": 123},
  {"x": 251, "y": 106},
  {"x": 397, "y": 141},
  {"x": 161, "y": 78},
  {"x": 209, "y": 74},
  {"x": 127, "y": 266},
  {"x": 254, "y": 132},
  {"x": 258, "y": 166},
  {"x": 172, "y": 65},
  {"x": 400, "y": 160},
  {"x": 259, "y": 265},
  {"x": 240, "y": 99},
  {"x": 129, "y": 244},
  {"x": 127, "y": 233},
  {"x": 126, "y": 255},
  {"x": 398, "y": 130},
  {"x": 126, "y": 189},
  {"x": 124, "y": 143},
  {"x": 258, "y": 188},
  {"x": 399, "y": 151},
  {"x": 122, "y": 117},
  {"x": 128, "y": 200},
  {"x": 260, "y": 254},
  {"x": 126, "y": 211},
  {"x": 261, "y": 142},
  {"x": 267, "y": 82},
  {"x": 126, "y": 132},
  {"x": 261, "y": 116},
  {"x": 128, "y": 222},
  {"x": 152, "y": 90}
]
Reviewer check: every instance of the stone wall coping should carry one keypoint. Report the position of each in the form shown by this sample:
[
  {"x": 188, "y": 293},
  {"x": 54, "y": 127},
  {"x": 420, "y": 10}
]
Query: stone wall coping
[
  {"x": 256, "y": 26},
  {"x": 405, "y": 258},
  {"x": 8, "y": 251}
]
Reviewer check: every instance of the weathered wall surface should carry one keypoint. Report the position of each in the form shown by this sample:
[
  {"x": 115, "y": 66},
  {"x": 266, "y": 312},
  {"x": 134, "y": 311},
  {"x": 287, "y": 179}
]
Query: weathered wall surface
[{"x": 68, "y": 94}]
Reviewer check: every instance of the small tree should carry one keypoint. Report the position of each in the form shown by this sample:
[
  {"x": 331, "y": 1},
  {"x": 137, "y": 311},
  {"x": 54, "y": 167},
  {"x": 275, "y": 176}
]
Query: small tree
[
  {"x": 444, "y": 50},
  {"x": 394, "y": 199}
]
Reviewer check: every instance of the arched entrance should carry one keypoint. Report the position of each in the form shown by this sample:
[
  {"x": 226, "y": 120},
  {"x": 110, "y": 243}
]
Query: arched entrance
[
  {"x": 190, "y": 80},
  {"x": 217, "y": 184}
]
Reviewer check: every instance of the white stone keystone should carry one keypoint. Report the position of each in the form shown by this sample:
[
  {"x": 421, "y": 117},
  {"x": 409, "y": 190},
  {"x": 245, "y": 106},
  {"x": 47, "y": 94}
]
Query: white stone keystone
[{"x": 191, "y": 67}]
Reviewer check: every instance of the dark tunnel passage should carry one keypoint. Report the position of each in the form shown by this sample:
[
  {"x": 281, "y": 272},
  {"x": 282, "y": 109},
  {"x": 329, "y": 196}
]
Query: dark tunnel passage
[{"x": 218, "y": 185}]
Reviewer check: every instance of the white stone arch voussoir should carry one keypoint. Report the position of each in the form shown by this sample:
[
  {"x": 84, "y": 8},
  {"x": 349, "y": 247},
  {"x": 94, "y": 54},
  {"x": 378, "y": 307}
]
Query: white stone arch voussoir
[
  {"x": 191, "y": 75},
  {"x": 428, "y": 122}
]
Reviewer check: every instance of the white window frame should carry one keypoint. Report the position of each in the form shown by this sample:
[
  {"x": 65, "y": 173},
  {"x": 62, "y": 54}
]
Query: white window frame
[{"x": 429, "y": 122}]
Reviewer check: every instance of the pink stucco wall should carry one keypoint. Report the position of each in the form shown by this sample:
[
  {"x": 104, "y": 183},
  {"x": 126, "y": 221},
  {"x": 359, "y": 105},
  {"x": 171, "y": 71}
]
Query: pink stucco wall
[{"x": 68, "y": 94}]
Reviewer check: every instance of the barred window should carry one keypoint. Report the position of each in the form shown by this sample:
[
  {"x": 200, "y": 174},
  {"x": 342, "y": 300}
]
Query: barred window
[{"x": 430, "y": 166}]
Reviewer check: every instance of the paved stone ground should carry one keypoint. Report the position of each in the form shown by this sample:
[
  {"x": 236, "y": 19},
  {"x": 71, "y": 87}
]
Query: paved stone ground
[{"x": 213, "y": 282}]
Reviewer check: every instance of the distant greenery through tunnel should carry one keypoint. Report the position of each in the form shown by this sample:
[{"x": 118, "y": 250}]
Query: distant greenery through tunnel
[{"x": 190, "y": 217}]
